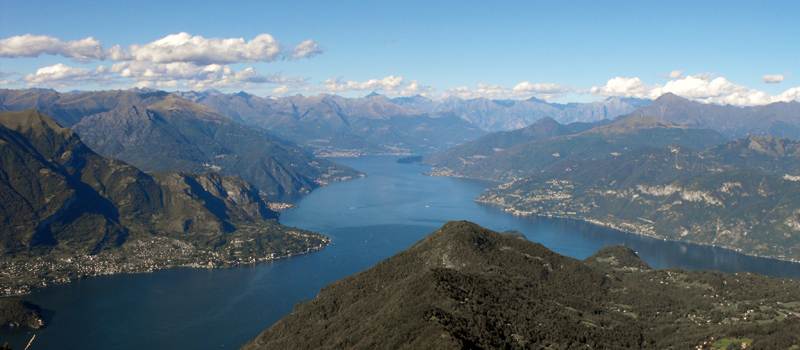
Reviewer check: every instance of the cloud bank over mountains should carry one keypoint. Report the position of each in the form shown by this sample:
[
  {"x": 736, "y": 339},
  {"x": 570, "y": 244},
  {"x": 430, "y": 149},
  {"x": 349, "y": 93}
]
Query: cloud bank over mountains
[
  {"x": 703, "y": 88},
  {"x": 185, "y": 61}
]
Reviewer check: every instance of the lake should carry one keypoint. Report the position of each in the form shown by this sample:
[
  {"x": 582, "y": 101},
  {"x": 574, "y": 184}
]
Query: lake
[{"x": 369, "y": 219}]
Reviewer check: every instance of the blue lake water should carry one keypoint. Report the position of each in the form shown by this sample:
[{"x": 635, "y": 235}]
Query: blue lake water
[{"x": 369, "y": 219}]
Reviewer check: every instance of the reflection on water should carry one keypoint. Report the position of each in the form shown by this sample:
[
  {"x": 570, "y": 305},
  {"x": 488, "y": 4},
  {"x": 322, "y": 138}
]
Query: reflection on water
[{"x": 369, "y": 220}]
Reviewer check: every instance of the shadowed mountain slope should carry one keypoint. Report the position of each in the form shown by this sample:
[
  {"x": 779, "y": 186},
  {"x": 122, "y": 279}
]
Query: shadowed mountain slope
[{"x": 64, "y": 203}]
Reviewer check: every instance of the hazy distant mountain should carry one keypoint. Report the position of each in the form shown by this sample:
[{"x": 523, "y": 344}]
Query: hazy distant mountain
[
  {"x": 334, "y": 125},
  {"x": 526, "y": 159},
  {"x": 499, "y": 141},
  {"x": 158, "y": 131},
  {"x": 780, "y": 119},
  {"x": 505, "y": 115},
  {"x": 465, "y": 287},
  {"x": 742, "y": 195},
  {"x": 62, "y": 200}
]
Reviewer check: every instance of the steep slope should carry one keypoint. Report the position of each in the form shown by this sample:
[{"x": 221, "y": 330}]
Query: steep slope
[
  {"x": 742, "y": 195},
  {"x": 465, "y": 287},
  {"x": 780, "y": 119},
  {"x": 157, "y": 131},
  {"x": 67, "y": 212},
  {"x": 68, "y": 109},
  {"x": 333, "y": 125},
  {"x": 623, "y": 136}
]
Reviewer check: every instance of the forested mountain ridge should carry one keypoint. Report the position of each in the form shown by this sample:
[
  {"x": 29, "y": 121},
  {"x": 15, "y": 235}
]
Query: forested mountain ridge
[
  {"x": 68, "y": 212},
  {"x": 158, "y": 131},
  {"x": 499, "y": 141},
  {"x": 526, "y": 159},
  {"x": 464, "y": 286}
]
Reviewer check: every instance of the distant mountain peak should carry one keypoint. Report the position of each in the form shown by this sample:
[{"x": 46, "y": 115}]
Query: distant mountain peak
[
  {"x": 31, "y": 121},
  {"x": 373, "y": 94},
  {"x": 534, "y": 99},
  {"x": 670, "y": 98}
]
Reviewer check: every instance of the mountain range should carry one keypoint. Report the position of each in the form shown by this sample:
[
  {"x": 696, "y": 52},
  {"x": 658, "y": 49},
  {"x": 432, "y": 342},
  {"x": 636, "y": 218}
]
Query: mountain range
[
  {"x": 779, "y": 119},
  {"x": 334, "y": 125},
  {"x": 508, "y": 156},
  {"x": 158, "y": 131},
  {"x": 505, "y": 115},
  {"x": 68, "y": 212},
  {"x": 466, "y": 287}
]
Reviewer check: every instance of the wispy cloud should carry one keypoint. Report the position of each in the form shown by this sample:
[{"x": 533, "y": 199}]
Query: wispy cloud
[
  {"x": 674, "y": 74},
  {"x": 334, "y": 85},
  {"x": 773, "y": 79},
  {"x": 414, "y": 88},
  {"x": 306, "y": 49},
  {"x": 524, "y": 89}
]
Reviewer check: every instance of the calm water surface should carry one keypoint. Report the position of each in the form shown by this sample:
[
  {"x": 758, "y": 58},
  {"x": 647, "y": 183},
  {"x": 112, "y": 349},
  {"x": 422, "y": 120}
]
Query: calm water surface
[{"x": 369, "y": 219}]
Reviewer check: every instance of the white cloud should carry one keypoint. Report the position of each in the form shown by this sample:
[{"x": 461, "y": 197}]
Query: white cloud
[
  {"x": 196, "y": 77},
  {"x": 60, "y": 75},
  {"x": 306, "y": 49},
  {"x": 771, "y": 79},
  {"x": 623, "y": 87},
  {"x": 184, "y": 47},
  {"x": 483, "y": 90},
  {"x": 701, "y": 87},
  {"x": 163, "y": 75},
  {"x": 546, "y": 91},
  {"x": 413, "y": 88},
  {"x": 28, "y": 45},
  {"x": 523, "y": 90},
  {"x": 334, "y": 85},
  {"x": 676, "y": 74},
  {"x": 282, "y": 90},
  {"x": 181, "y": 47}
]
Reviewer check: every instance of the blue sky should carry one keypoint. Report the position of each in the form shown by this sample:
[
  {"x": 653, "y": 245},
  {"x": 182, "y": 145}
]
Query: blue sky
[{"x": 712, "y": 51}]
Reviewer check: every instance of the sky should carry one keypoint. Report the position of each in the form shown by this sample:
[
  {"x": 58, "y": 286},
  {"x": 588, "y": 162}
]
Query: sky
[{"x": 725, "y": 52}]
